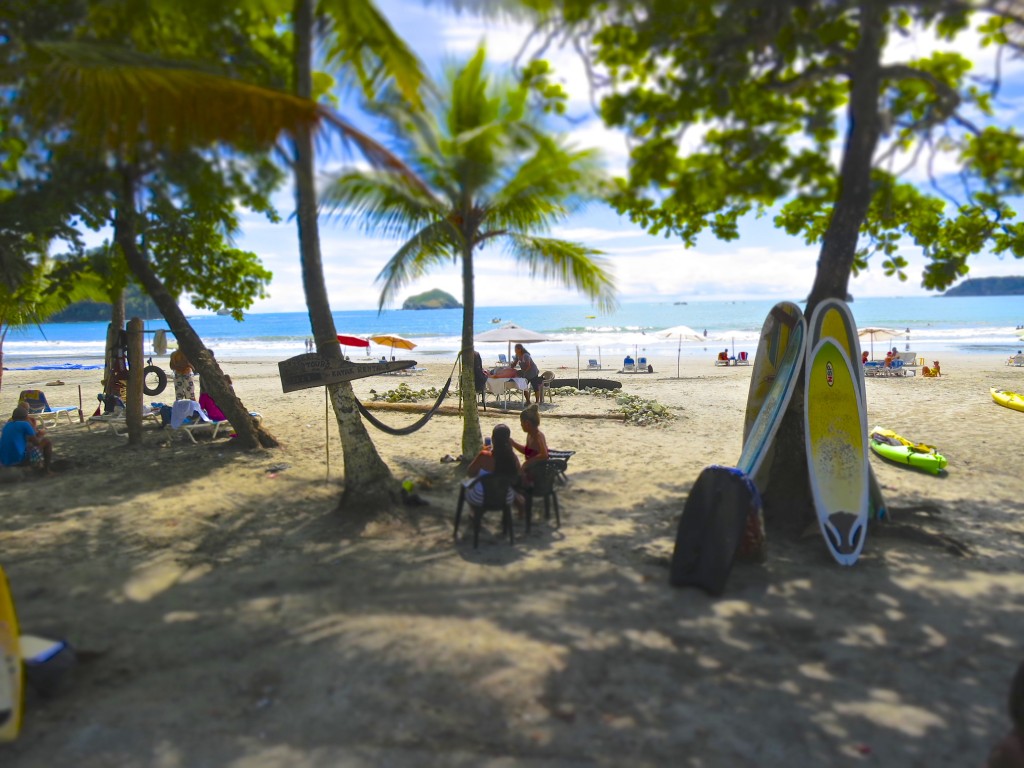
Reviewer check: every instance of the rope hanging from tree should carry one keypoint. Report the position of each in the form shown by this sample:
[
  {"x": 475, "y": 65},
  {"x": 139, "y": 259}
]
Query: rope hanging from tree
[{"x": 420, "y": 423}]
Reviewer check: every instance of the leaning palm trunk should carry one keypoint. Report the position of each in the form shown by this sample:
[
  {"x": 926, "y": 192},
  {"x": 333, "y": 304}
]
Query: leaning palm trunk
[
  {"x": 471, "y": 442},
  {"x": 249, "y": 435},
  {"x": 368, "y": 481}
]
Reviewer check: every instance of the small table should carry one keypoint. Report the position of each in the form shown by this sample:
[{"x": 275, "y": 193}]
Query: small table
[{"x": 498, "y": 388}]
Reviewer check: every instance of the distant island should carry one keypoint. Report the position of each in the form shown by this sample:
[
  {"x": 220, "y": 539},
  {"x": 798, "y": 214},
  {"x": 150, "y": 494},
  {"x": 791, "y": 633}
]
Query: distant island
[
  {"x": 435, "y": 299},
  {"x": 989, "y": 286},
  {"x": 137, "y": 304}
]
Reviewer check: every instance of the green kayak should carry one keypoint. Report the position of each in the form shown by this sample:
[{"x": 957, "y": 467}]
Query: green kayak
[{"x": 891, "y": 446}]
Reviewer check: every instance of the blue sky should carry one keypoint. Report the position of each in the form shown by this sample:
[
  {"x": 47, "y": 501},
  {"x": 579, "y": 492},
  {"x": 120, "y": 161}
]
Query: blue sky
[{"x": 762, "y": 263}]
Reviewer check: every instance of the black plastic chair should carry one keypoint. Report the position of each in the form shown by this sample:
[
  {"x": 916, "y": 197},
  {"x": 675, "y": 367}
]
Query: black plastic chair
[
  {"x": 495, "y": 498},
  {"x": 563, "y": 458},
  {"x": 544, "y": 475}
]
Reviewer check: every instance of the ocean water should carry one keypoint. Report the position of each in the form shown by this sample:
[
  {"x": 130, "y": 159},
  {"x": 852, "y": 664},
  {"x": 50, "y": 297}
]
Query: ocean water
[{"x": 935, "y": 324}]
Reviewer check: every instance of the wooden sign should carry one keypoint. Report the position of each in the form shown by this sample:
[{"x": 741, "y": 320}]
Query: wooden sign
[{"x": 312, "y": 370}]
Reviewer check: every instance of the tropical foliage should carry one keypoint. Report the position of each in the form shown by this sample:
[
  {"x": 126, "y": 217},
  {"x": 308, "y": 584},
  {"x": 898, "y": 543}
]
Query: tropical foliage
[
  {"x": 487, "y": 173},
  {"x": 738, "y": 108},
  {"x": 111, "y": 110}
]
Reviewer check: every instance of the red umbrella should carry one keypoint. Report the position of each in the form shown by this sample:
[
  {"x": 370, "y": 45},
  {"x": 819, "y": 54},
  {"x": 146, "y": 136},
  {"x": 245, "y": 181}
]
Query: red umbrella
[{"x": 352, "y": 341}]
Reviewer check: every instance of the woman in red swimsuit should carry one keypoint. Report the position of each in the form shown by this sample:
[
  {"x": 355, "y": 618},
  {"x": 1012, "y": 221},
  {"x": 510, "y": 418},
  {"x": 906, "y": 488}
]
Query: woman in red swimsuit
[{"x": 536, "y": 446}]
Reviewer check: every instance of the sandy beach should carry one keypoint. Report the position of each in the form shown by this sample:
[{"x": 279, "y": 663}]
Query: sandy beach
[{"x": 227, "y": 616}]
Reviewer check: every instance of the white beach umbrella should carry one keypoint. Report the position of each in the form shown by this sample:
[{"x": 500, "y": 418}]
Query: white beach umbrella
[
  {"x": 882, "y": 333},
  {"x": 729, "y": 336},
  {"x": 511, "y": 333},
  {"x": 682, "y": 333}
]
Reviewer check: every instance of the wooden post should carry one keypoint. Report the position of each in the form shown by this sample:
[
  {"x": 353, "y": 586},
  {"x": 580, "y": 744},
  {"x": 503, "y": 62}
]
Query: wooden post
[{"x": 136, "y": 362}]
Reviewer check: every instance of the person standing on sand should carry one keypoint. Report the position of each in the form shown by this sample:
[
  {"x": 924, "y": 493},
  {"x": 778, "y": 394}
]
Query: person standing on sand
[
  {"x": 524, "y": 362},
  {"x": 184, "y": 385}
]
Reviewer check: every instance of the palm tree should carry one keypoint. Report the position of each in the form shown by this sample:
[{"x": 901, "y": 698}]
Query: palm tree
[
  {"x": 486, "y": 173},
  {"x": 356, "y": 34}
]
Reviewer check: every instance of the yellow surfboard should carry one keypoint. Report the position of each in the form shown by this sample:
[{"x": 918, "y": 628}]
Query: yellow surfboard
[
  {"x": 833, "y": 319},
  {"x": 835, "y": 431},
  {"x": 776, "y": 334},
  {"x": 12, "y": 697}
]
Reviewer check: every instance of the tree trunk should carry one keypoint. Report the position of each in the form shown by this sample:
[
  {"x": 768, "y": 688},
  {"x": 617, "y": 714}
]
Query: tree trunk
[
  {"x": 839, "y": 246},
  {"x": 471, "y": 441},
  {"x": 3, "y": 335},
  {"x": 787, "y": 497},
  {"x": 368, "y": 481},
  {"x": 249, "y": 434}
]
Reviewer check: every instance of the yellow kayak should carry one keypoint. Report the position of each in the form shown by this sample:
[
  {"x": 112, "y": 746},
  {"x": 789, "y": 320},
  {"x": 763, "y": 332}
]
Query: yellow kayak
[{"x": 1008, "y": 399}]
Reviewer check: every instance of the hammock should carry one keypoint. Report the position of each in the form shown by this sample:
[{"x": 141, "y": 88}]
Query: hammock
[{"x": 416, "y": 425}]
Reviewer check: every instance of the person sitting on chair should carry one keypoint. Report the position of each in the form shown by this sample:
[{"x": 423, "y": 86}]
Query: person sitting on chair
[
  {"x": 207, "y": 403},
  {"x": 863, "y": 358},
  {"x": 498, "y": 459},
  {"x": 536, "y": 446},
  {"x": 479, "y": 374},
  {"x": 21, "y": 444},
  {"x": 724, "y": 355}
]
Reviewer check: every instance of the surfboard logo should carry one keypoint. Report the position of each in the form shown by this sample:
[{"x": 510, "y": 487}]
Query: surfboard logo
[{"x": 830, "y": 378}]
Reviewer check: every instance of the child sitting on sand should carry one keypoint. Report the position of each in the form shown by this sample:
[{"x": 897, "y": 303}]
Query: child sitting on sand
[{"x": 22, "y": 445}]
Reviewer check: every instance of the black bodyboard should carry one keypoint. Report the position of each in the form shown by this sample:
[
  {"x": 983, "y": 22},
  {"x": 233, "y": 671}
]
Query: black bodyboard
[
  {"x": 583, "y": 382},
  {"x": 712, "y": 527}
]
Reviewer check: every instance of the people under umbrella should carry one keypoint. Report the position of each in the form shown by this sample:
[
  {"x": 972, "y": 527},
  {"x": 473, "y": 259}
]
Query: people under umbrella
[{"x": 23, "y": 443}]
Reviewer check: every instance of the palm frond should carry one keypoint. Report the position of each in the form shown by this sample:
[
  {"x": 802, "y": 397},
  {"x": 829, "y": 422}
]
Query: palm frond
[
  {"x": 111, "y": 97},
  {"x": 433, "y": 245},
  {"x": 381, "y": 203},
  {"x": 571, "y": 264},
  {"x": 375, "y": 153},
  {"x": 362, "y": 38}
]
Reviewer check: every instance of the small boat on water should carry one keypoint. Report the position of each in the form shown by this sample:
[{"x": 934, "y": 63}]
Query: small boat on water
[{"x": 495, "y": 319}]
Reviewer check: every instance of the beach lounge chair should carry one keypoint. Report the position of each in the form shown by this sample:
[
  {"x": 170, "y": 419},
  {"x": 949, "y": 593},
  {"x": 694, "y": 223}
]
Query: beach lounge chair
[
  {"x": 722, "y": 359},
  {"x": 628, "y": 364},
  {"x": 495, "y": 499},
  {"x": 897, "y": 368},
  {"x": 502, "y": 361},
  {"x": 116, "y": 422},
  {"x": 742, "y": 359},
  {"x": 641, "y": 365},
  {"x": 910, "y": 359},
  {"x": 35, "y": 401},
  {"x": 1017, "y": 360},
  {"x": 187, "y": 417},
  {"x": 593, "y": 365}
]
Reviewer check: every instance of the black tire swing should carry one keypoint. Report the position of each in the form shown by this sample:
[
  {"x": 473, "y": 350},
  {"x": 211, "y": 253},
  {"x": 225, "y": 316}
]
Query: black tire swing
[{"x": 161, "y": 380}]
